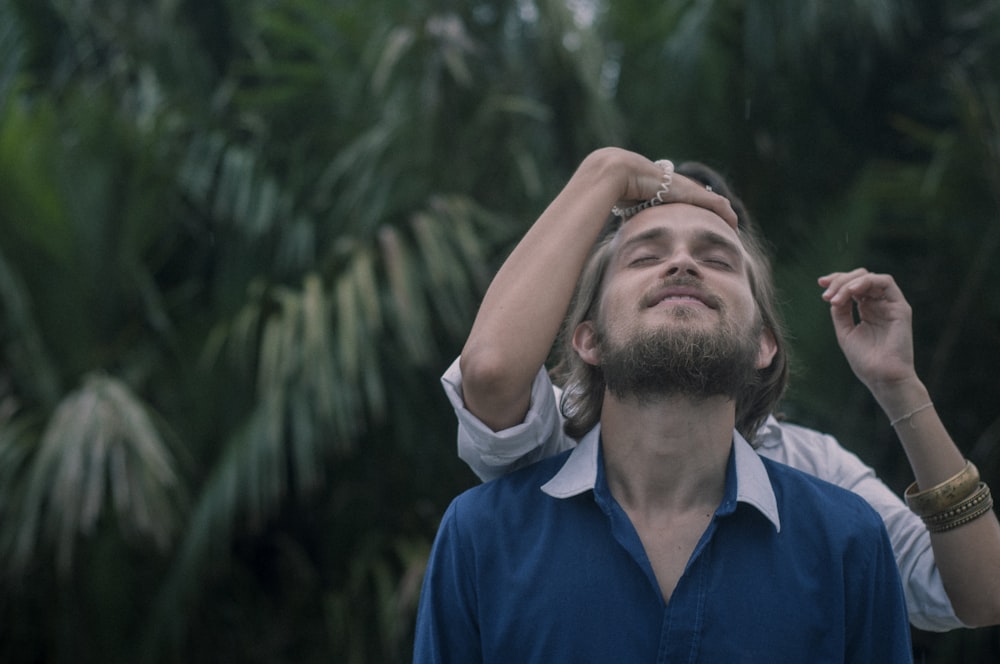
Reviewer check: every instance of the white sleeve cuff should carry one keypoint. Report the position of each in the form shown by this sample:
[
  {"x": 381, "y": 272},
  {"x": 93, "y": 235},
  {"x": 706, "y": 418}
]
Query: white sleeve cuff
[{"x": 490, "y": 453}]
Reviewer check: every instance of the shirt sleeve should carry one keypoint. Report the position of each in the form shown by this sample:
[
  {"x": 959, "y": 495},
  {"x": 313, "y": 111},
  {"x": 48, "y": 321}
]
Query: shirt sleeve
[
  {"x": 877, "y": 629},
  {"x": 447, "y": 628},
  {"x": 490, "y": 453},
  {"x": 822, "y": 456}
]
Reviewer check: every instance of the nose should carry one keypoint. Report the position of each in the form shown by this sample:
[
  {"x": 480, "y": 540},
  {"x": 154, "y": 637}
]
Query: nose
[{"x": 680, "y": 263}]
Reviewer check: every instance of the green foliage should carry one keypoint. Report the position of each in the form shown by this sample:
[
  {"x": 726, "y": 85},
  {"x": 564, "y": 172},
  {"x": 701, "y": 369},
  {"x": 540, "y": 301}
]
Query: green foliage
[{"x": 239, "y": 241}]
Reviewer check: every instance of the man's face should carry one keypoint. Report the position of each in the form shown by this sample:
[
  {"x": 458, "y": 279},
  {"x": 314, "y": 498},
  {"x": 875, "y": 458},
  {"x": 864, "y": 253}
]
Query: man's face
[{"x": 677, "y": 315}]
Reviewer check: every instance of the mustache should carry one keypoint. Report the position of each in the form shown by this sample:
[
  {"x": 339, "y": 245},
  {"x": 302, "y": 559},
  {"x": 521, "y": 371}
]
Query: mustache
[{"x": 686, "y": 282}]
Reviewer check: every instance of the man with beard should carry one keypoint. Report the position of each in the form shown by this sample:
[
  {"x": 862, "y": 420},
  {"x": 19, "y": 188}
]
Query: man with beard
[
  {"x": 509, "y": 415},
  {"x": 662, "y": 536}
]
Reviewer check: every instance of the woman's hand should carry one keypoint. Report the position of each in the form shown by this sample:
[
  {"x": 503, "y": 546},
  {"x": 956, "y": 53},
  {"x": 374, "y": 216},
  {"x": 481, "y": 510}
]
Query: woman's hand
[
  {"x": 878, "y": 340},
  {"x": 642, "y": 180}
]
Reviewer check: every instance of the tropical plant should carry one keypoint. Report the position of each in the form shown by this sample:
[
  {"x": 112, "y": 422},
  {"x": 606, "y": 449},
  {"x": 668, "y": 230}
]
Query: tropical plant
[
  {"x": 239, "y": 241},
  {"x": 262, "y": 274}
]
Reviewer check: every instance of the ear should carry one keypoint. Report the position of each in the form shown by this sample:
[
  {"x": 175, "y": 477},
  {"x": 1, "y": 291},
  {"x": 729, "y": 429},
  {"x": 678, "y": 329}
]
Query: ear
[
  {"x": 768, "y": 349},
  {"x": 585, "y": 343}
]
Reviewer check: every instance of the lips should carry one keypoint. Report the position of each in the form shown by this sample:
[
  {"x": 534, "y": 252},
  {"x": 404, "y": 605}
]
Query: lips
[{"x": 681, "y": 294}]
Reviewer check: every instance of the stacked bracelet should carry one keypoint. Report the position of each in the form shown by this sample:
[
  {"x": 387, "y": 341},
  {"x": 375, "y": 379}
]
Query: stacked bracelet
[
  {"x": 946, "y": 494},
  {"x": 952, "y": 503},
  {"x": 668, "y": 176},
  {"x": 973, "y": 507}
]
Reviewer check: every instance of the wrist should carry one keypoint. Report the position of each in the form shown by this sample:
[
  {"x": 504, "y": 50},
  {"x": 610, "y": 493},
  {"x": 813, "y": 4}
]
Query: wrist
[
  {"x": 604, "y": 171},
  {"x": 619, "y": 173},
  {"x": 898, "y": 398}
]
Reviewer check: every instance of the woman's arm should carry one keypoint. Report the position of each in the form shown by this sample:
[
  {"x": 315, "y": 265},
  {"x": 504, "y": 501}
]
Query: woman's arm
[{"x": 879, "y": 347}]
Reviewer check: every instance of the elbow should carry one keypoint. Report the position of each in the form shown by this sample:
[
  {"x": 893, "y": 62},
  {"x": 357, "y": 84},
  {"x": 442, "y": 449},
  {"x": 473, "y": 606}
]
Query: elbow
[
  {"x": 486, "y": 374},
  {"x": 492, "y": 391}
]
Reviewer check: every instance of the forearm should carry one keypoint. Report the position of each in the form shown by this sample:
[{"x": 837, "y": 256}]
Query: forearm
[
  {"x": 524, "y": 306},
  {"x": 967, "y": 557}
]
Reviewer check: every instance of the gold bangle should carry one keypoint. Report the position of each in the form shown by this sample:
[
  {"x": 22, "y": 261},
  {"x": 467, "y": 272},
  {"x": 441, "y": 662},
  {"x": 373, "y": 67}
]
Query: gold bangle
[
  {"x": 944, "y": 496},
  {"x": 981, "y": 494},
  {"x": 977, "y": 505}
]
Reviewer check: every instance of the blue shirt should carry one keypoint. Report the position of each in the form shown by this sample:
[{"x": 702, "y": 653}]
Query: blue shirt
[{"x": 543, "y": 565}]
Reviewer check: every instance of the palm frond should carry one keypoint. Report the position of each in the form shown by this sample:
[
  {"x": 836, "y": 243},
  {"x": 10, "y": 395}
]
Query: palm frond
[
  {"x": 243, "y": 487},
  {"x": 229, "y": 182},
  {"x": 100, "y": 449}
]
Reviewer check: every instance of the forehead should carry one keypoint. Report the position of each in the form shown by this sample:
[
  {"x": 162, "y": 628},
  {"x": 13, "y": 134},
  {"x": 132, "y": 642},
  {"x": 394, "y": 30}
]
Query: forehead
[{"x": 677, "y": 221}]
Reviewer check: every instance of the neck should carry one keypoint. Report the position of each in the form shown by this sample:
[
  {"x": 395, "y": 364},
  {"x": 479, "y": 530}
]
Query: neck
[{"x": 667, "y": 455}]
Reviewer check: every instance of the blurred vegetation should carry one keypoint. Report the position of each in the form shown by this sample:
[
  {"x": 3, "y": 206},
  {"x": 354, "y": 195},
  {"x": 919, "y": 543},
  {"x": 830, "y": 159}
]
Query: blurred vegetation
[{"x": 240, "y": 241}]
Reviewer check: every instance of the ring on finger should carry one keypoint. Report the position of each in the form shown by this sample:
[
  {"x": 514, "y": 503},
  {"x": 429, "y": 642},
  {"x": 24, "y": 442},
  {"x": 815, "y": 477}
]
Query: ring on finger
[{"x": 668, "y": 177}]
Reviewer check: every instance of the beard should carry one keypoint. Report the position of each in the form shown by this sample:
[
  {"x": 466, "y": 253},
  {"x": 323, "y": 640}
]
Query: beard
[{"x": 671, "y": 361}]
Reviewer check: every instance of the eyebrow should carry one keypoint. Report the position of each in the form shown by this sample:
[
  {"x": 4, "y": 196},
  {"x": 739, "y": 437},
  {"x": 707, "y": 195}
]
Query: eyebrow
[{"x": 706, "y": 237}]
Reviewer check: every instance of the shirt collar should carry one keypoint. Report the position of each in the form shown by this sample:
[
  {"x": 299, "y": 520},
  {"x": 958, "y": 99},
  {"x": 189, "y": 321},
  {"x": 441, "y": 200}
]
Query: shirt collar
[
  {"x": 753, "y": 486},
  {"x": 770, "y": 434}
]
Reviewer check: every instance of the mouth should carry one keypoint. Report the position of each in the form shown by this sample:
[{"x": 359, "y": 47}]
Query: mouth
[{"x": 680, "y": 296}]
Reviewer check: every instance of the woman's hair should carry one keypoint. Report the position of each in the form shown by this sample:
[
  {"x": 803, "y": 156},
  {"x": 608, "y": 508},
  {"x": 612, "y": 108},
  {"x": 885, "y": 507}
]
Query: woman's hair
[{"x": 583, "y": 384}]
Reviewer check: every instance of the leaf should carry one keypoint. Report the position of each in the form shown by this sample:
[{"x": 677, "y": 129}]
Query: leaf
[{"x": 100, "y": 436}]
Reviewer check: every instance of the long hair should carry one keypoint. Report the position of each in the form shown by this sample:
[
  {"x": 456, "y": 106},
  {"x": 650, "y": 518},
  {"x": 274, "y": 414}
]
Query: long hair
[{"x": 583, "y": 384}]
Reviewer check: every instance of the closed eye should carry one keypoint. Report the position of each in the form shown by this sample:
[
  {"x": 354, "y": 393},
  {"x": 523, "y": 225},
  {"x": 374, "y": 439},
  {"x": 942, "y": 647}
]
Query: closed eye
[
  {"x": 721, "y": 262},
  {"x": 641, "y": 260}
]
